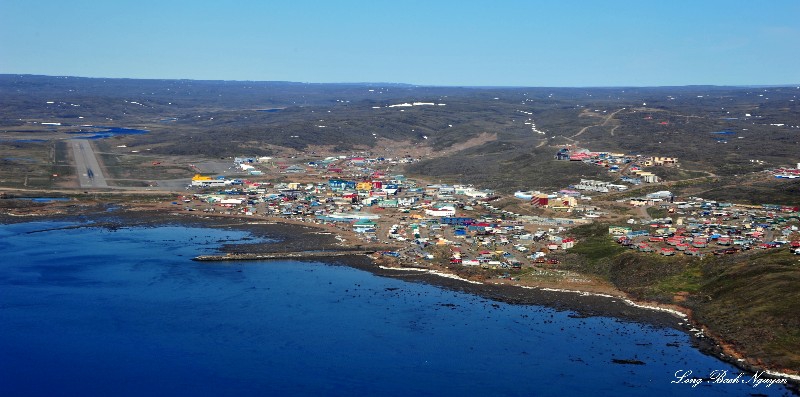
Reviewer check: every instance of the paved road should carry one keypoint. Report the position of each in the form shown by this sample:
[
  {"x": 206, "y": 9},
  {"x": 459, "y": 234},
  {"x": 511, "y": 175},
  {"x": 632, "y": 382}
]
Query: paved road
[{"x": 88, "y": 169}]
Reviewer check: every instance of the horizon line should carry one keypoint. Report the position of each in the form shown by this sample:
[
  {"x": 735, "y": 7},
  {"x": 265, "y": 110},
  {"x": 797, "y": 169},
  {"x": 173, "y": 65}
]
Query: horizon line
[{"x": 366, "y": 83}]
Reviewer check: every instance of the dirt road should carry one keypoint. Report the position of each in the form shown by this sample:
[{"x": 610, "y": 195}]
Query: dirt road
[{"x": 605, "y": 122}]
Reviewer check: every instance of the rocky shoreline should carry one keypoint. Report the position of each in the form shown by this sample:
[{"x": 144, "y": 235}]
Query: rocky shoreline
[{"x": 283, "y": 237}]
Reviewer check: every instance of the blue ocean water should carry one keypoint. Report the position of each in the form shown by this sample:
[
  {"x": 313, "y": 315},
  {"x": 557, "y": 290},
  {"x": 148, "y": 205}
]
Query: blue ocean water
[{"x": 125, "y": 312}]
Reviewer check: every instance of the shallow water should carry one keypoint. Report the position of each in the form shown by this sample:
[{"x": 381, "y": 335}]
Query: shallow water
[
  {"x": 107, "y": 132},
  {"x": 43, "y": 199},
  {"x": 91, "y": 311}
]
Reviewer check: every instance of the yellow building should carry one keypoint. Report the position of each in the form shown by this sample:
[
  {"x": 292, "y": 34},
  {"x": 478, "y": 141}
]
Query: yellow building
[
  {"x": 662, "y": 160},
  {"x": 648, "y": 177}
]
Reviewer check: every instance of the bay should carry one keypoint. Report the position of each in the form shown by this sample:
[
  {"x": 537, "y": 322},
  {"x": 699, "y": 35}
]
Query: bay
[{"x": 92, "y": 311}]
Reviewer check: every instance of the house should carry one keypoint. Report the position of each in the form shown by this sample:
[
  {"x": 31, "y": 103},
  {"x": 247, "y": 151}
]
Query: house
[
  {"x": 364, "y": 226},
  {"x": 663, "y": 194},
  {"x": 662, "y": 161},
  {"x": 444, "y": 211},
  {"x": 579, "y": 157},
  {"x": 593, "y": 186},
  {"x": 568, "y": 201},
  {"x": 388, "y": 203},
  {"x": 647, "y": 177},
  {"x": 674, "y": 241},
  {"x": 569, "y": 193},
  {"x": 474, "y": 193},
  {"x": 431, "y": 190},
  {"x": 378, "y": 194},
  {"x": 540, "y": 199},
  {"x": 390, "y": 188},
  {"x": 637, "y": 233},
  {"x": 446, "y": 191},
  {"x": 693, "y": 252},
  {"x": 206, "y": 181},
  {"x": 618, "y": 230},
  {"x": 456, "y": 221},
  {"x": 337, "y": 184},
  {"x": 631, "y": 180}
]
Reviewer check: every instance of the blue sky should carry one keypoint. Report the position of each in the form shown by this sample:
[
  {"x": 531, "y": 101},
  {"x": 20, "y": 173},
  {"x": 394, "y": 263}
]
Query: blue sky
[{"x": 475, "y": 43}]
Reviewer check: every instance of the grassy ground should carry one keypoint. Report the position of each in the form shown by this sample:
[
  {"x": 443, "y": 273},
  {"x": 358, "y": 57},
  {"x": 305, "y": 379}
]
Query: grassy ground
[
  {"x": 141, "y": 168},
  {"x": 27, "y": 164},
  {"x": 754, "y": 189},
  {"x": 749, "y": 299},
  {"x": 755, "y": 303},
  {"x": 656, "y": 212},
  {"x": 62, "y": 165}
]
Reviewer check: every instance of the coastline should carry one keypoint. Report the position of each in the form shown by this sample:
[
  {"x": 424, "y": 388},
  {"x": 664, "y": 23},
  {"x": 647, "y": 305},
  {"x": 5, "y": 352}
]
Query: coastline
[{"x": 290, "y": 235}]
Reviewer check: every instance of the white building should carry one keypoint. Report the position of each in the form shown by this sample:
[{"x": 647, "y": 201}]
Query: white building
[{"x": 441, "y": 211}]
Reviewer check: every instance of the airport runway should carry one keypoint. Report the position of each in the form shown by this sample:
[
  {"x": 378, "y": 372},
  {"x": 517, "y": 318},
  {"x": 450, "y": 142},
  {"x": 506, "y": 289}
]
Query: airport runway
[{"x": 88, "y": 169}]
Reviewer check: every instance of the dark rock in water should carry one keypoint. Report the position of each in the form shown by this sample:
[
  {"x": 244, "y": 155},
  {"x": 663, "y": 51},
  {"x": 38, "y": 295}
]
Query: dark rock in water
[{"x": 631, "y": 362}]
